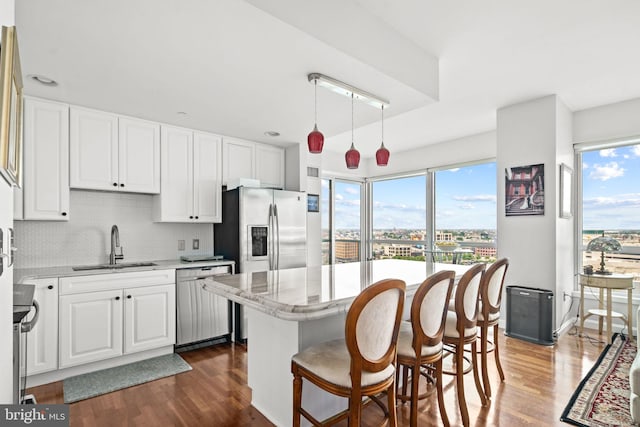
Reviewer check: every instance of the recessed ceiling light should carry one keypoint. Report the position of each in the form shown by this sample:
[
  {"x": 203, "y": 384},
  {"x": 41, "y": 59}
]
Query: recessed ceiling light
[
  {"x": 43, "y": 80},
  {"x": 272, "y": 133}
]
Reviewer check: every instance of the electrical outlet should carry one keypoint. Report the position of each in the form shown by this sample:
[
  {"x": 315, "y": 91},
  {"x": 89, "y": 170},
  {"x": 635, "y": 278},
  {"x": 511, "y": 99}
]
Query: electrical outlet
[
  {"x": 196, "y": 244},
  {"x": 181, "y": 245}
]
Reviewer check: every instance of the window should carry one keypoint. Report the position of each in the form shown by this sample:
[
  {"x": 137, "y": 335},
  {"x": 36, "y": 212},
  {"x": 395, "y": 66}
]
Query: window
[
  {"x": 399, "y": 217},
  {"x": 610, "y": 203},
  {"x": 465, "y": 214},
  {"x": 341, "y": 221}
]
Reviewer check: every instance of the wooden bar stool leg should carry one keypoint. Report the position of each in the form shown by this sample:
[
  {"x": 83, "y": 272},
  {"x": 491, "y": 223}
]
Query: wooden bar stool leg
[
  {"x": 391, "y": 404},
  {"x": 476, "y": 376},
  {"x": 484, "y": 330},
  {"x": 462, "y": 402},
  {"x": 440, "y": 391},
  {"x": 415, "y": 381},
  {"x": 496, "y": 352},
  {"x": 297, "y": 399}
]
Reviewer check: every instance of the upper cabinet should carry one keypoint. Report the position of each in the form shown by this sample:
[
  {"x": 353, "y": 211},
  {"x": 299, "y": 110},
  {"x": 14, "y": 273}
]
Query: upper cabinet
[
  {"x": 248, "y": 159},
  {"x": 115, "y": 153},
  {"x": 191, "y": 177},
  {"x": 46, "y": 160}
]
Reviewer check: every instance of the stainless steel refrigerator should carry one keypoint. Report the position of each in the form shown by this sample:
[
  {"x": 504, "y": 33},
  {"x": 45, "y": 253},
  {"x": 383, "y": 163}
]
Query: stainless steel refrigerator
[{"x": 262, "y": 229}]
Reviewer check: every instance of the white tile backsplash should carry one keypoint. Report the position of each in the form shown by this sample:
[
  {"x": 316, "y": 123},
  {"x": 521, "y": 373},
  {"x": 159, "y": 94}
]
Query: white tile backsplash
[{"x": 86, "y": 237}]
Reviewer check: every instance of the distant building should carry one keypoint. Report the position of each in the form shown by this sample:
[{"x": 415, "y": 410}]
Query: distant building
[
  {"x": 347, "y": 250},
  {"x": 444, "y": 237},
  {"x": 485, "y": 251},
  {"x": 397, "y": 250}
]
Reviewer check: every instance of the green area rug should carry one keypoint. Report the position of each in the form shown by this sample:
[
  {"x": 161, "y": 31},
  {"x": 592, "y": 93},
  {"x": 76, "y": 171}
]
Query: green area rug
[
  {"x": 602, "y": 398},
  {"x": 96, "y": 383}
]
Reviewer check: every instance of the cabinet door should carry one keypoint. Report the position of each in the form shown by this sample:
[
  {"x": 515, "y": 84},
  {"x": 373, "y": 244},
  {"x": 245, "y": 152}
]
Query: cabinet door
[
  {"x": 270, "y": 166},
  {"x": 176, "y": 175},
  {"x": 207, "y": 177},
  {"x": 42, "y": 340},
  {"x": 238, "y": 159},
  {"x": 93, "y": 149},
  {"x": 46, "y": 160},
  {"x": 150, "y": 318},
  {"x": 90, "y": 327},
  {"x": 139, "y": 156}
]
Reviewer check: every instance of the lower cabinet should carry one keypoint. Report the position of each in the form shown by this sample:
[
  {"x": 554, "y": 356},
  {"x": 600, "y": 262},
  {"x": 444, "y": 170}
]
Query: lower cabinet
[
  {"x": 42, "y": 340},
  {"x": 102, "y": 324}
]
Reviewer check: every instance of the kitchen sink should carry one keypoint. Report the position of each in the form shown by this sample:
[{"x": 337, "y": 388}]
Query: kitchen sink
[{"x": 113, "y": 266}]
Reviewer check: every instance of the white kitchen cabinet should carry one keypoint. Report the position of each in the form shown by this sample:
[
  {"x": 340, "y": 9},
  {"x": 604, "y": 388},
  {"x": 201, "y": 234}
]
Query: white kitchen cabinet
[
  {"x": 90, "y": 327},
  {"x": 42, "y": 340},
  {"x": 191, "y": 176},
  {"x": 248, "y": 159},
  {"x": 108, "y": 315},
  {"x": 113, "y": 153},
  {"x": 269, "y": 166},
  {"x": 46, "y": 160},
  {"x": 149, "y": 318}
]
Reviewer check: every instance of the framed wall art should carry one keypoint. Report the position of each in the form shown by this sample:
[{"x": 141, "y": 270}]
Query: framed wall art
[
  {"x": 524, "y": 190},
  {"x": 313, "y": 203},
  {"x": 10, "y": 107}
]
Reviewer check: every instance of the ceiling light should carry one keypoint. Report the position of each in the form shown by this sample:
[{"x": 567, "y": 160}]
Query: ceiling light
[
  {"x": 315, "y": 139},
  {"x": 347, "y": 90},
  {"x": 272, "y": 133},
  {"x": 352, "y": 156},
  {"x": 43, "y": 80},
  {"x": 382, "y": 155}
]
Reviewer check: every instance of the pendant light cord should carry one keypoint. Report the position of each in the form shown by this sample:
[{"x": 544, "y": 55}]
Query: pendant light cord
[
  {"x": 382, "y": 121},
  {"x": 352, "y": 119},
  {"x": 315, "y": 102}
]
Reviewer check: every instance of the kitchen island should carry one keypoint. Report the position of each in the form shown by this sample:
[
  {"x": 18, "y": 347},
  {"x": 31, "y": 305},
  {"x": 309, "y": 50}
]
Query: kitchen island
[{"x": 290, "y": 310}]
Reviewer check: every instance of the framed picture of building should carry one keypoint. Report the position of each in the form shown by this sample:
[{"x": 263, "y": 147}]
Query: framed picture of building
[{"x": 524, "y": 190}]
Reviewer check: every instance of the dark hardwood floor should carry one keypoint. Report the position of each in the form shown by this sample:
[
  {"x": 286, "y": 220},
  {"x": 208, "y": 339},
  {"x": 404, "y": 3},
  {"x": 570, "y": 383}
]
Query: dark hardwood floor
[{"x": 539, "y": 382}]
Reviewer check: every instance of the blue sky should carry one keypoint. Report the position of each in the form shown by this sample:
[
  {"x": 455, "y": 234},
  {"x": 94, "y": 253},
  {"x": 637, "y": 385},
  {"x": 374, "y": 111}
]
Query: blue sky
[
  {"x": 465, "y": 199},
  {"x": 611, "y": 188}
]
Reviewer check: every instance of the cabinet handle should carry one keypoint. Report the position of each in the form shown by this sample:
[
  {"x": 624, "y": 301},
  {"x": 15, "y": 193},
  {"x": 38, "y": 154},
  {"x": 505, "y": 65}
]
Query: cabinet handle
[
  {"x": 50, "y": 287},
  {"x": 190, "y": 216},
  {"x": 64, "y": 214},
  {"x": 196, "y": 216},
  {"x": 121, "y": 185},
  {"x": 117, "y": 298},
  {"x": 115, "y": 184},
  {"x": 128, "y": 296}
]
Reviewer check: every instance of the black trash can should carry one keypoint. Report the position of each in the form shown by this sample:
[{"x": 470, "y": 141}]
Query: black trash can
[{"x": 530, "y": 314}]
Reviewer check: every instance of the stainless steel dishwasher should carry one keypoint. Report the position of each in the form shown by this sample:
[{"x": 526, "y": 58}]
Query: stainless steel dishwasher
[{"x": 202, "y": 318}]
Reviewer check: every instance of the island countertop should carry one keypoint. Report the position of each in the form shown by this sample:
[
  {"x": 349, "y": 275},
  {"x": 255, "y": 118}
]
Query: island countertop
[{"x": 308, "y": 293}]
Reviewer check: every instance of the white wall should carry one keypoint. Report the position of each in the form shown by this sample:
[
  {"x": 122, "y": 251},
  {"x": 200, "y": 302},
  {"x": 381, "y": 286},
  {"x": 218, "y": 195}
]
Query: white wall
[
  {"x": 85, "y": 238},
  {"x": 539, "y": 246}
]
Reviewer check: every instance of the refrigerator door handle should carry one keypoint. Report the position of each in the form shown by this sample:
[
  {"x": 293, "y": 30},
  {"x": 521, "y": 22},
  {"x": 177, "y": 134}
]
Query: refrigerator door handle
[
  {"x": 270, "y": 242},
  {"x": 277, "y": 235}
]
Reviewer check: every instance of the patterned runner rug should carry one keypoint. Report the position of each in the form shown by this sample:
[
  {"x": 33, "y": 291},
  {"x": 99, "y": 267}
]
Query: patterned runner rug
[{"x": 602, "y": 398}]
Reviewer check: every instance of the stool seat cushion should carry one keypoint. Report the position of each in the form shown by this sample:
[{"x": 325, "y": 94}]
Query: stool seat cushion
[
  {"x": 405, "y": 344},
  {"x": 331, "y": 361},
  {"x": 451, "y": 330}
]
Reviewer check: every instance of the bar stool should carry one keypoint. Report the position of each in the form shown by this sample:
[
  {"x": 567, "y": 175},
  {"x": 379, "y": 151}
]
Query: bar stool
[
  {"x": 489, "y": 316},
  {"x": 360, "y": 365},
  {"x": 420, "y": 342},
  {"x": 461, "y": 329}
]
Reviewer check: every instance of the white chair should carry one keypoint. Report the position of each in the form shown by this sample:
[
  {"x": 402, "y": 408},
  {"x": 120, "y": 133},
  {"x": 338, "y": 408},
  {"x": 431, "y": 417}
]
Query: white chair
[{"x": 360, "y": 365}]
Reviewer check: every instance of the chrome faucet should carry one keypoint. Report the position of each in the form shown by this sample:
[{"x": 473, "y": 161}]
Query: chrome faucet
[{"x": 115, "y": 244}]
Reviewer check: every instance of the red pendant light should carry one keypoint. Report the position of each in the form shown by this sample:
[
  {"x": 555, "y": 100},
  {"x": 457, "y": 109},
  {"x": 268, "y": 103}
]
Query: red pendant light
[
  {"x": 352, "y": 156},
  {"x": 315, "y": 140},
  {"x": 382, "y": 155}
]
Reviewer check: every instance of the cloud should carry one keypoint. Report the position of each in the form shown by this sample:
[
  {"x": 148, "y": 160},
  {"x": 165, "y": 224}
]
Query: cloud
[
  {"x": 339, "y": 197},
  {"x": 351, "y": 190},
  {"x": 606, "y": 172},
  {"x": 636, "y": 150},
  {"x": 617, "y": 201},
  {"x": 476, "y": 198},
  {"x": 466, "y": 206},
  {"x": 585, "y": 165},
  {"x": 324, "y": 183},
  {"x": 608, "y": 152},
  {"x": 454, "y": 170}
]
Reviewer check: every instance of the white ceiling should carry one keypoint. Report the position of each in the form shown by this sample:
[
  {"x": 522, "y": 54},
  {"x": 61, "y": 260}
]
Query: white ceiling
[{"x": 239, "y": 68}]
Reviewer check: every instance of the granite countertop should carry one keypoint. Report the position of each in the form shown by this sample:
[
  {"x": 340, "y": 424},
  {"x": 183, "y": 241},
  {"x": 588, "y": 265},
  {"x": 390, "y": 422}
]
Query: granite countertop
[
  {"x": 314, "y": 292},
  {"x": 22, "y": 274}
]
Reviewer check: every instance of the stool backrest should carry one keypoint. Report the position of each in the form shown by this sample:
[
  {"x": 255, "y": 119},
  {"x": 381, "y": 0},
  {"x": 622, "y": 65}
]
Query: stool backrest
[
  {"x": 467, "y": 292},
  {"x": 429, "y": 309},
  {"x": 372, "y": 325},
  {"x": 491, "y": 287}
]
